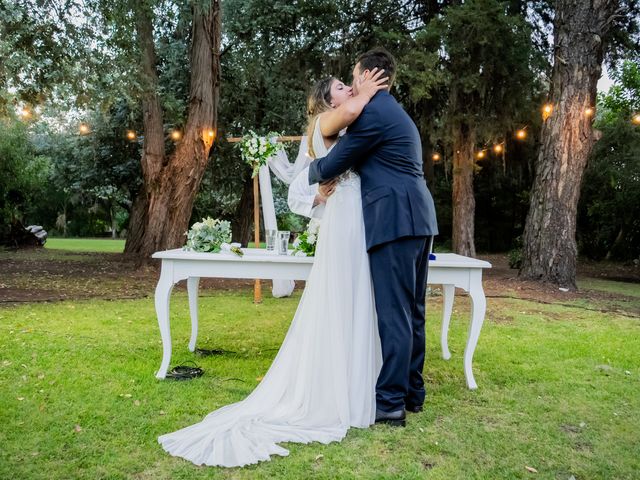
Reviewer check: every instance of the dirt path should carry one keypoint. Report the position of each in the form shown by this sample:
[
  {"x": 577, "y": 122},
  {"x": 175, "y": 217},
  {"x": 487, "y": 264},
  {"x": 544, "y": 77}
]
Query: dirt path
[{"x": 49, "y": 275}]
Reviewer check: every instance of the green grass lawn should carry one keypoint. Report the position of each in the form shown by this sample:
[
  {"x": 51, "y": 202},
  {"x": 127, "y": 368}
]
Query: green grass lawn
[
  {"x": 106, "y": 245},
  {"x": 559, "y": 391}
]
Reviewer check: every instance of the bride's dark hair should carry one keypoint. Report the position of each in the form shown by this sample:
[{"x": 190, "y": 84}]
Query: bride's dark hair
[{"x": 319, "y": 101}]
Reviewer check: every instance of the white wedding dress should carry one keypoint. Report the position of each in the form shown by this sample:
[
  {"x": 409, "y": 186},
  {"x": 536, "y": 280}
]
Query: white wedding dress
[{"x": 322, "y": 381}]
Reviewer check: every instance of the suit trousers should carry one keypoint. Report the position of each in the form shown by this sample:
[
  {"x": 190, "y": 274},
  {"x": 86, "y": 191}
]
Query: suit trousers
[{"x": 399, "y": 272}]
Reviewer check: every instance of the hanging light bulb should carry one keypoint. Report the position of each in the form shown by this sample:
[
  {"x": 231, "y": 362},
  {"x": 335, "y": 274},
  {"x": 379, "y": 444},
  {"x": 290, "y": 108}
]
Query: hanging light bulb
[
  {"x": 498, "y": 148},
  {"x": 589, "y": 111},
  {"x": 480, "y": 154},
  {"x": 546, "y": 111},
  {"x": 25, "y": 113},
  {"x": 208, "y": 136},
  {"x": 521, "y": 134},
  {"x": 435, "y": 157},
  {"x": 131, "y": 135},
  {"x": 636, "y": 119},
  {"x": 176, "y": 135},
  {"x": 83, "y": 128}
]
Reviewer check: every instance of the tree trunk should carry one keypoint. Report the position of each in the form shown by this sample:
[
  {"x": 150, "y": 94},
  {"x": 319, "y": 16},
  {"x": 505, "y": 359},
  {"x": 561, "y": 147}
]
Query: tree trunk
[
  {"x": 171, "y": 184},
  {"x": 114, "y": 224},
  {"x": 549, "y": 244},
  {"x": 242, "y": 223},
  {"x": 618, "y": 241},
  {"x": 427, "y": 161},
  {"x": 464, "y": 203}
]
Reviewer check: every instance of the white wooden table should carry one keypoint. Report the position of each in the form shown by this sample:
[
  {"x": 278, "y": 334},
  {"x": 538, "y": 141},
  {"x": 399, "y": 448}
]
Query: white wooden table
[{"x": 448, "y": 269}]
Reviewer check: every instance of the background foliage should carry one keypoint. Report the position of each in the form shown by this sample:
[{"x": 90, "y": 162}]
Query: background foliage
[{"x": 65, "y": 71}]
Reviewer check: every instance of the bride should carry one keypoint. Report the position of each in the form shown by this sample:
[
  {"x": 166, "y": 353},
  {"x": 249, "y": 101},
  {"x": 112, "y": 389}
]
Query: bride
[{"x": 322, "y": 381}]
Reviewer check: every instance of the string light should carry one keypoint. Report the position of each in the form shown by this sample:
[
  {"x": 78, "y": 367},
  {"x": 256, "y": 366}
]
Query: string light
[
  {"x": 480, "y": 154},
  {"x": 589, "y": 112},
  {"x": 636, "y": 119},
  {"x": 208, "y": 136},
  {"x": 546, "y": 111},
  {"x": 435, "y": 157},
  {"x": 521, "y": 134},
  {"x": 498, "y": 148},
  {"x": 131, "y": 135},
  {"x": 176, "y": 135},
  {"x": 84, "y": 129}
]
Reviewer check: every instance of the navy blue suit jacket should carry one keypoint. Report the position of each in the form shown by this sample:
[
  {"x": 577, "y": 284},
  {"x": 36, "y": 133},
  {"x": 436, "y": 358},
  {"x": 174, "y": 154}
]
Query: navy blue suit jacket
[{"x": 383, "y": 146}]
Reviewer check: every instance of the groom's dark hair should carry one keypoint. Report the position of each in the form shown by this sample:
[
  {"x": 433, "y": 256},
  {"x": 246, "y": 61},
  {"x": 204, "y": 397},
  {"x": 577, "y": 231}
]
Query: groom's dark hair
[{"x": 381, "y": 58}]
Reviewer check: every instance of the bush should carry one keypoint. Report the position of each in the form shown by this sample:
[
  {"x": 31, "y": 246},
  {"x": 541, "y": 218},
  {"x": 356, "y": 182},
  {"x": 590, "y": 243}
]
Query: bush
[{"x": 515, "y": 258}]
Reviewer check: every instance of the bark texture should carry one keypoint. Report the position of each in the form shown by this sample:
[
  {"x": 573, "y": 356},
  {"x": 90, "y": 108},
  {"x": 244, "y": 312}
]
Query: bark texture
[
  {"x": 161, "y": 215},
  {"x": 549, "y": 244},
  {"x": 464, "y": 203},
  {"x": 242, "y": 222}
]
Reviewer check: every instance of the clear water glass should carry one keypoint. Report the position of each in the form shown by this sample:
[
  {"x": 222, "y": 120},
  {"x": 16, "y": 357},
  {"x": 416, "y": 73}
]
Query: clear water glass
[
  {"x": 283, "y": 242},
  {"x": 272, "y": 238}
]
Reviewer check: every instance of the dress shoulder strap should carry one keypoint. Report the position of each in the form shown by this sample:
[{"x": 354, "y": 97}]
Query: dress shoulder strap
[{"x": 319, "y": 147}]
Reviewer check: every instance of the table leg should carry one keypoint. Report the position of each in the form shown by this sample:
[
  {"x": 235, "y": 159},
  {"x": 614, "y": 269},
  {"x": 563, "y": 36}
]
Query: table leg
[
  {"x": 449, "y": 292},
  {"x": 478, "y": 309},
  {"x": 162, "y": 297},
  {"x": 192, "y": 290}
]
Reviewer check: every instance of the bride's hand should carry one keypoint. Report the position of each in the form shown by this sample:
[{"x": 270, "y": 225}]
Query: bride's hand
[
  {"x": 326, "y": 189},
  {"x": 371, "y": 82}
]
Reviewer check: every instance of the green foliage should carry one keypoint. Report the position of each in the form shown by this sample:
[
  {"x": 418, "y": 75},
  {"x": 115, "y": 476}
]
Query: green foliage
[
  {"x": 307, "y": 241},
  {"x": 208, "y": 235},
  {"x": 481, "y": 61},
  {"x": 50, "y": 52},
  {"x": 23, "y": 173},
  {"x": 515, "y": 254},
  {"x": 486, "y": 68},
  {"x": 515, "y": 258},
  {"x": 93, "y": 178},
  {"x": 609, "y": 211}
]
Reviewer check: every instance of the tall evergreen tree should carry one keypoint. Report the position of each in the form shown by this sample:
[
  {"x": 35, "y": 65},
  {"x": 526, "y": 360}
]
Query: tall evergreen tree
[{"x": 487, "y": 68}]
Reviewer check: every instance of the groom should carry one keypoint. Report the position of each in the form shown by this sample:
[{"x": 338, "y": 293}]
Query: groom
[{"x": 383, "y": 146}]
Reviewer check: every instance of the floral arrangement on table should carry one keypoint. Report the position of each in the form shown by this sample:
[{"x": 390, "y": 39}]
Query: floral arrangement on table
[
  {"x": 305, "y": 244},
  {"x": 256, "y": 150},
  {"x": 211, "y": 235}
]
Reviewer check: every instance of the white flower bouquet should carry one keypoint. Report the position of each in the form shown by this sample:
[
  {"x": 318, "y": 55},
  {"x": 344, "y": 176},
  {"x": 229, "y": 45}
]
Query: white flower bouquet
[
  {"x": 208, "y": 235},
  {"x": 305, "y": 244},
  {"x": 256, "y": 150}
]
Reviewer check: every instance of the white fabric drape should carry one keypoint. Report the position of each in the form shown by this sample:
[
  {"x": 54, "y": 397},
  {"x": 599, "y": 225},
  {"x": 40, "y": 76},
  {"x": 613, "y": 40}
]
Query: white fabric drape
[
  {"x": 302, "y": 196},
  {"x": 286, "y": 171}
]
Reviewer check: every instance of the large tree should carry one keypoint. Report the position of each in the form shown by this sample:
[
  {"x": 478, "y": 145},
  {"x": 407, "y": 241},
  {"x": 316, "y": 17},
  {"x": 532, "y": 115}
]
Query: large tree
[
  {"x": 608, "y": 223},
  {"x": 581, "y": 34},
  {"x": 162, "y": 210},
  {"x": 487, "y": 69}
]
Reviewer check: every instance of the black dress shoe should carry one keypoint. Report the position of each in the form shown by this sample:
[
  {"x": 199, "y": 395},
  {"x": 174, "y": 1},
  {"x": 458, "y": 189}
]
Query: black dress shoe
[
  {"x": 395, "y": 419},
  {"x": 413, "y": 408}
]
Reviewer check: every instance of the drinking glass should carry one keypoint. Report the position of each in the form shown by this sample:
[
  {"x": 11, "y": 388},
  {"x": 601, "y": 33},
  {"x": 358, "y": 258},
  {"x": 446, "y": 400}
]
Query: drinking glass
[
  {"x": 283, "y": 242},
  {"x": 272, "y": 236}
]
